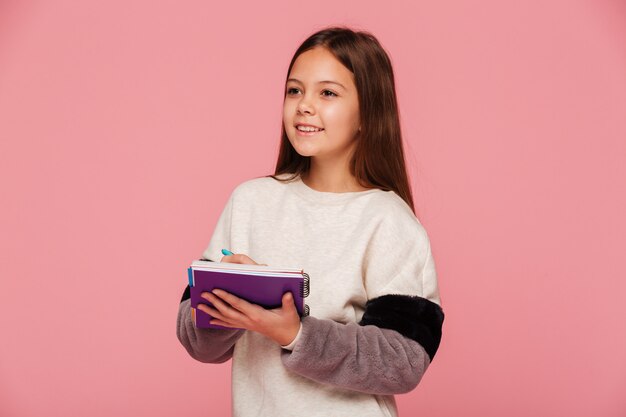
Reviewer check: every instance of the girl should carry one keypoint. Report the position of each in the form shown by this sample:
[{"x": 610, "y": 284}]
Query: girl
[{"x": 340, "y": 207}]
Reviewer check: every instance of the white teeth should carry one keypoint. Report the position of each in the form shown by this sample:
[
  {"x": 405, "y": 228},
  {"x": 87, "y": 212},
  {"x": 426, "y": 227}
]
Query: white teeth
[{"x": 308, "y": 129}]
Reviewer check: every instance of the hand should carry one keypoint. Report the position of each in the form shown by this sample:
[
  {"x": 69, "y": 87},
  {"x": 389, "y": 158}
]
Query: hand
[
  {"x": 279, "y": 324},
  {"x": 239, "y": 258}
]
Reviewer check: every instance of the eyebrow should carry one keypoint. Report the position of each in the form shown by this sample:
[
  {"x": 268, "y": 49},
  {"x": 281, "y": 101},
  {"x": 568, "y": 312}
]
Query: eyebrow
[{"x": 320, "y": 82}]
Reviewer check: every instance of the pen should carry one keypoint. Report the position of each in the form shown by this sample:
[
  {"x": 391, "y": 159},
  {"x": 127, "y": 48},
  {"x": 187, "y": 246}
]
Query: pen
[{"x": 227, "y": 252}]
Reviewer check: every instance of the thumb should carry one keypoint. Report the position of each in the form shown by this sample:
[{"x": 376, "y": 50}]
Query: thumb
[{"x": 288, "y": 301}]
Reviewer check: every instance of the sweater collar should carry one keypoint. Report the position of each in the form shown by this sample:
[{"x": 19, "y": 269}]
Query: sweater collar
[{"x": 315, "y": 196}]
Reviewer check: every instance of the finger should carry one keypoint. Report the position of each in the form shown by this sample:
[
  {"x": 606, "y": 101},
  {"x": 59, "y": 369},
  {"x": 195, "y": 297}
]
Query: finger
[
  {"x": 236, "y": 303},
  {"x": 235, "y": 258},
  {"x": 226, "y": 311},
  {"x": 222, "y": 323},
  {"x": 239, "y": 258},
  {"x": 211, "y": 311},
  {"x": 218, "y": 318},
  {"x": 243, "y": 259}
]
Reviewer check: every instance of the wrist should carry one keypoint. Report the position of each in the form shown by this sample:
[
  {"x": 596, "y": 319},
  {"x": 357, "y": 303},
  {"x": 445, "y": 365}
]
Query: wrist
[{"x": 290, "y": 335}]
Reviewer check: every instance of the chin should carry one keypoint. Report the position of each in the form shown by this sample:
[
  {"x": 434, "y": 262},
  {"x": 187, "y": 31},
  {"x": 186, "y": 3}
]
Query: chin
[{"x": 304, "y": 149}]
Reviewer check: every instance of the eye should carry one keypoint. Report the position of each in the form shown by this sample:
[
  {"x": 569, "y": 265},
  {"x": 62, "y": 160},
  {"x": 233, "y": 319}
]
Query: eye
[
  {"x": 333, "y": 94},
  {"x": 289, "y": 90}
]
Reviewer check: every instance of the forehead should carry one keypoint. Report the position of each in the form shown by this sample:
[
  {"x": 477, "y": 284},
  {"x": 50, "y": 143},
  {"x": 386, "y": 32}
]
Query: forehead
[{"x": 318, "y": 64}]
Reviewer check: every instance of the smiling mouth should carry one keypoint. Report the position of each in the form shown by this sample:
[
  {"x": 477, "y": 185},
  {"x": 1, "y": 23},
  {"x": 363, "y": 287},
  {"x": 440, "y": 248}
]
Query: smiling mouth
[
  {"x": 311, "y": 132},
  {"x": 305, "y": 133},
  {"x": 309, "y": 129}
]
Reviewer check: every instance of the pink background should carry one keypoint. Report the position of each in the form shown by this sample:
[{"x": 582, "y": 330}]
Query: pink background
[{"x": 125, "y": 125}]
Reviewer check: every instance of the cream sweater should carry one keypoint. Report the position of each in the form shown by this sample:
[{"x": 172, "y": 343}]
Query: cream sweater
[{"x": 355, "y": 246}]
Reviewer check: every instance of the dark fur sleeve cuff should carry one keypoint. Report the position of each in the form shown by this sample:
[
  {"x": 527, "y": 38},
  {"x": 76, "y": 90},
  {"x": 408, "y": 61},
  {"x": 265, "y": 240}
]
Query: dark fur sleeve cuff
[
  {"x": 415, "y": 317},
  {"x": 186, "y": 294}
]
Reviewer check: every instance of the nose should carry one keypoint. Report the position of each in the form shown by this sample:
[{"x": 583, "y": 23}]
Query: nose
[{"x": 304, "y": 106}]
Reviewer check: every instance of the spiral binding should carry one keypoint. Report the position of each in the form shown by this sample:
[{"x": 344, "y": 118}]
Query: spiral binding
[{"x": 304, "y": 290}]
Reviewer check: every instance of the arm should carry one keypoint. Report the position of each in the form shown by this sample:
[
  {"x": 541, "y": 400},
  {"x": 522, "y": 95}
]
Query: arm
[
  {"x": 387, "y": 352},
  {"x": 204, "y": 345},
  {"x": 209, "y": 345}
]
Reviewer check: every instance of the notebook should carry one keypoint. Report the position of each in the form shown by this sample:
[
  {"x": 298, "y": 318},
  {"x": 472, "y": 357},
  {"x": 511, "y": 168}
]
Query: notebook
[{"x": 259, "y": 284}]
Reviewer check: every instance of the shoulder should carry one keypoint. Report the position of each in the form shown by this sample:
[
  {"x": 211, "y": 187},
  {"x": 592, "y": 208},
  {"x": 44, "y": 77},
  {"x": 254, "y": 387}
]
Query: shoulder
[
  {"x": 396, "y": 233},
  {"x": 256, "y": 186},
  {"x": 394, "y": 216}
]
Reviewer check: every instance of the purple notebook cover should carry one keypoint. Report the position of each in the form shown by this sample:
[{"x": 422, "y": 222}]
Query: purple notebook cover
[{"x": 266, "y": 291}]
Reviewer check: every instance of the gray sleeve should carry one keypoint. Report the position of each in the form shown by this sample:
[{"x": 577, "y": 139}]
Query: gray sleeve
[
  {"x": 364, "y": 358},
  {"x": 205, "y": 345}
]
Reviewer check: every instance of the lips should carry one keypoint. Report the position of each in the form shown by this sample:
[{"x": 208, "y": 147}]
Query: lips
[
  {"x": 307, "y": 125},
  {"x": 305, "y": 133},
  {"x": 309, "y": 132}
]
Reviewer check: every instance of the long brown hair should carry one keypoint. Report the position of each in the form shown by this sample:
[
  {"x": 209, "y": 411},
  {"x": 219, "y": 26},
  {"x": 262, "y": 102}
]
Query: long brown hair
[{"x": 378, "y": 159}]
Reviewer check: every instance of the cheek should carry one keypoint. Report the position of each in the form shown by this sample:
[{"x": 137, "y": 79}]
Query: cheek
[
  {"x": 339, "y": 120},
  {"x": 285, "y": 108},
  {"x": 289, "y": 110}
]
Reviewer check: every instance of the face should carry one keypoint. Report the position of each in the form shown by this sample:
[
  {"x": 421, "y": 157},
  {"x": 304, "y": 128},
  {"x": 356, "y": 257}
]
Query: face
[{"x": 331, "y": 106}]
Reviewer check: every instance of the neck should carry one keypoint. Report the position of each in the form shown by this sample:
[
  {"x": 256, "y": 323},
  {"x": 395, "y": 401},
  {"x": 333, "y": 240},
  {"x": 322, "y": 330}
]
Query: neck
[{"x": 331, "y": 176}]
